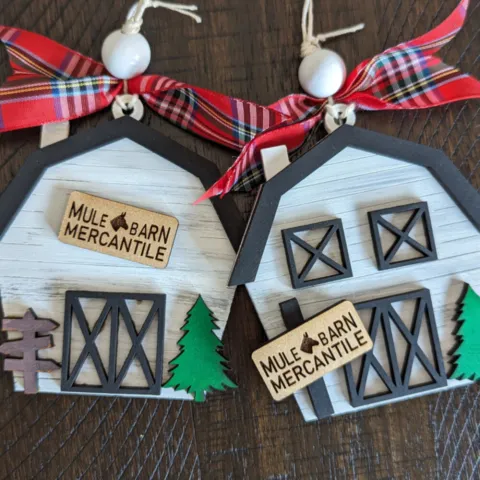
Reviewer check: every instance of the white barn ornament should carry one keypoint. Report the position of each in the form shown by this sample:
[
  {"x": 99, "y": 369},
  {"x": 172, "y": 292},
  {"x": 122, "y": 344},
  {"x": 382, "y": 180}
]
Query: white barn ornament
[
  {"x": 387, "y": 224},
  {"x": 119, "y": 321}
]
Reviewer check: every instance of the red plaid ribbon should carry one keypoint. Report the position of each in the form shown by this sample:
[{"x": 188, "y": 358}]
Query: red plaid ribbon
[
  {"x": 404, "y": 77},
  {"x": 52, "y": 83}
]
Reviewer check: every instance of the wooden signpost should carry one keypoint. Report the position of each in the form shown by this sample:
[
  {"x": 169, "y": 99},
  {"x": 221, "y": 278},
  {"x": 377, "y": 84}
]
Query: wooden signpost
[
  {"x": 117, "y": 229},
  {"x": 27, "y": 347},
  {"x": 306, "y": 353}
]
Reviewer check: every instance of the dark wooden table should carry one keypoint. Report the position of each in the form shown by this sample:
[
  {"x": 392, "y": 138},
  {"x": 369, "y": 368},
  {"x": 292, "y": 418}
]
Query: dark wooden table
[{"x": 250, "y": 50}]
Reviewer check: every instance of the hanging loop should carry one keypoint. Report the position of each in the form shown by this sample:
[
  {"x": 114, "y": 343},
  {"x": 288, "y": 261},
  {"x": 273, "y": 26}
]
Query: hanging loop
[
  {"x": 134, "y": 20},
  {"x": 311, "y": 42}
]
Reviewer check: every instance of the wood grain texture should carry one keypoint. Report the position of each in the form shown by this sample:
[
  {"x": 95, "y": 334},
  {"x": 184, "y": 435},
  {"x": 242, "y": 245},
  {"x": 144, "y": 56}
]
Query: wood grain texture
[
  {"x": 253, "y": 53},
  {"x": 35, "y": 265},
  {"x": 155, "y": 231},
  {"x": 373, "y": 183}
]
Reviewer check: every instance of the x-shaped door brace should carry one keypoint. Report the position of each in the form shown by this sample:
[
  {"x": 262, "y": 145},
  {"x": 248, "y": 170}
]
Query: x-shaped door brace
[
  {"x": 115, "y": 307},
  {"x": 90, "y": 347},
  {"x": 398, "y": 381},
  {"x": 137, "y": 349}
]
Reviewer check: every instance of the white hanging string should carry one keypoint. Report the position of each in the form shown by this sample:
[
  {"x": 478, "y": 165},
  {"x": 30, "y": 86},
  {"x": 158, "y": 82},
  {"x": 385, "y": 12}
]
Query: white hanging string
[
  {"x": 311, "y": 42},
  {"x": 128, "y": 103},
  {"x": 338, "y": 113},
  {"x": 134, "y": 21}
]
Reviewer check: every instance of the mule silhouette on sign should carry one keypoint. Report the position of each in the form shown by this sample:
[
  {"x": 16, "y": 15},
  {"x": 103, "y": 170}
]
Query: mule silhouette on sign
[
  {"x": 308, "y": 343},
  {"x": 119, "y": 222}
]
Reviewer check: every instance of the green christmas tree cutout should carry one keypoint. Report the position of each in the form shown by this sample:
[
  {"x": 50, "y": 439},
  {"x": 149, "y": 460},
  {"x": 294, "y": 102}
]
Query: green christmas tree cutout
[
  {"x": 199, "y": 367},
  {"x": 467, "y": 354}
]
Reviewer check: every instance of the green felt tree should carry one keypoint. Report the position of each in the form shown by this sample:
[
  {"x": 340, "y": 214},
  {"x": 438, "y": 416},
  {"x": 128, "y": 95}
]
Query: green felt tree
[
  {"x": 199, "y": 367},
  {"x": 467, "y": 353}
]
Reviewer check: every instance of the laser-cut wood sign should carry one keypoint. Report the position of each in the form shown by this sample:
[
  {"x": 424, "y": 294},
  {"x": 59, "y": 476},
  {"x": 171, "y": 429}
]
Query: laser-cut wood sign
[
  {"x": 117, "y": 229},
  {"x": 285, "y": 367}
]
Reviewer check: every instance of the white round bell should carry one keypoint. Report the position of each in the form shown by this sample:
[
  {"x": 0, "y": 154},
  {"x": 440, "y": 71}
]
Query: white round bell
[
  {"x": 127, "y": 104},
  {"x": 126, "y": 55},
  {"x": 322, "y": 73},
  {"x": 337, "y": 115}
]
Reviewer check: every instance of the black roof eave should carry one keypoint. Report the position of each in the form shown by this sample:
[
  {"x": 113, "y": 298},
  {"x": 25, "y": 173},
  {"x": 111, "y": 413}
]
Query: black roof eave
[{"x": 268, "y": 198}]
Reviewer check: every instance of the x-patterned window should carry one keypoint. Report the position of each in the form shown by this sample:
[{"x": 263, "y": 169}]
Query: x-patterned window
[
  {"x": 316, "y": 253},
  {"x": 406, "y": 357},
  {"x": 128, "y": 359},
  {"x": 402, "y": 235}
]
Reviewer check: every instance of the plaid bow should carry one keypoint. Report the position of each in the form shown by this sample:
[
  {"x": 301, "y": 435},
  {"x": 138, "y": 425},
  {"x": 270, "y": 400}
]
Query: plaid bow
[
  {"x": 405, "y": 77},
  {"x": 52, "y": 83}
]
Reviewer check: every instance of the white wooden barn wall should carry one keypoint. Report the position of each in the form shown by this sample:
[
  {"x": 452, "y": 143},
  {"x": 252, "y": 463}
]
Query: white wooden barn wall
[
  {"x": 36, "y": 269},
  {"x": 347, "y": 187}
]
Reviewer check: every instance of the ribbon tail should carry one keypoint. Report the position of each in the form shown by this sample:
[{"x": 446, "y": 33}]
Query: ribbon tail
[
  {"x": 31, "y": 53},
  {"x": 408, "y": 76},
  {"x": 30, "y": 102},
  {"x": 247, "y": 171},
  {"x": 224, "y": 184},
  {"x": 435, "y": 39},
  {"x": 50, "y": 83}
]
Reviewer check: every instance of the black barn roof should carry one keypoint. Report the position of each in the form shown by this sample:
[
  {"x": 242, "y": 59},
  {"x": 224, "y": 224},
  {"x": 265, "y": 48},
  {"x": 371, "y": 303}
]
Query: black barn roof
[{"x": 269, "y": 195}]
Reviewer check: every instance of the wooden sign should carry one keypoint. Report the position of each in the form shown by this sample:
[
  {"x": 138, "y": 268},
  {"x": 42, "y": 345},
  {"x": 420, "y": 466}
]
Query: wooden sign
[
  {"x": 117, "y": 229},
  {"x": 320, "y": 345}
]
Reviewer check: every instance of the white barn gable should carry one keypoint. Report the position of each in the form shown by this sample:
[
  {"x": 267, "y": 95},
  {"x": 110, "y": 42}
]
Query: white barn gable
[{"x": 36, "y": 269}]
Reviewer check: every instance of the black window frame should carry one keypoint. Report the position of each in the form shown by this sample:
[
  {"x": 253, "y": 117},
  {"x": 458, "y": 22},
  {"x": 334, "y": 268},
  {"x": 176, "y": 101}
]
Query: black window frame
[
  {"x": 420, "y": 210},
  {"x": 335, "y": 226}
]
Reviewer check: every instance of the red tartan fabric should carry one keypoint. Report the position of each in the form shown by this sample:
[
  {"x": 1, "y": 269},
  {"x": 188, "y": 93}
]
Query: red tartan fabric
[
  {"x": 52, "y": 83},
  {"x": 407, "y": 76}
]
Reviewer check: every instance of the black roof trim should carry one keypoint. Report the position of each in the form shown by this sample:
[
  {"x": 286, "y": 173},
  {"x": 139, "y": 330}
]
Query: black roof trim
[
  {"x": 261, "y": 220},
  {"x": 32, "y": 170}
]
